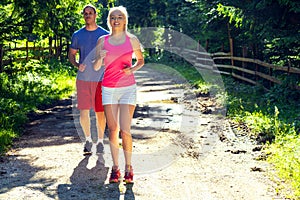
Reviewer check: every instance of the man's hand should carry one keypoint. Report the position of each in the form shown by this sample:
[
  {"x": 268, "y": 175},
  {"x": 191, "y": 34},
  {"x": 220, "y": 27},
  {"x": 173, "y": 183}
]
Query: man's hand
[{"x": 81, "y": 67}]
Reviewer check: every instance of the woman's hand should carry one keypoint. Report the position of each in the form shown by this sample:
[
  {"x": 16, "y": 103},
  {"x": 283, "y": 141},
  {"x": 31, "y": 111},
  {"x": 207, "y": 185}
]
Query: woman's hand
[{"x": 127, "y": 70}]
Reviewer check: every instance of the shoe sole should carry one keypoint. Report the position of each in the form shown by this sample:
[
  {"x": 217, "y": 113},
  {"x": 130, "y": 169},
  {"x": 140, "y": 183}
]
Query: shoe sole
[
  {"x": 87, "y": 153},
  {"x": 114, "y": 181},
  {"x": 128, "y": 181}
]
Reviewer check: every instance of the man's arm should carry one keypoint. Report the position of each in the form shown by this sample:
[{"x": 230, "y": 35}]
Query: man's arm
[{"x": 72, "y": 57}]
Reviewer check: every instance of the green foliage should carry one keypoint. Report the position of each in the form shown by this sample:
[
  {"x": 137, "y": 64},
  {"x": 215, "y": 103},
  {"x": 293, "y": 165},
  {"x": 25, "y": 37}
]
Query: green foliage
[
  {"x": 36, "y": 19},
  {"x": 273, "y": 118},
  {"x": 234, "y": 14},
  {"x": 6, "y": 136},
  {"x": 31, "y": 85},
  {"x": 270, "y": 29},
  {"x": 284, "y": 154}
]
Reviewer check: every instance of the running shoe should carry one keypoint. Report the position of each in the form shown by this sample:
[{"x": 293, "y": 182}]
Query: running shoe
[
  {"x": 87, "y": 150},
  {"x": 100, "y": 148},
  {"x": 115, "y": 176},
  {"x": 128, "y": 178}
]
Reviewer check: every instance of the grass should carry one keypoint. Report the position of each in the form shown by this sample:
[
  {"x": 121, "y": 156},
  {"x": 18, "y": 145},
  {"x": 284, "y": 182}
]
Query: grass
[
  {"x": 274, "y": 118},
  {"x": 26, "y": 86},
  {"x": 285, "y": 157}
]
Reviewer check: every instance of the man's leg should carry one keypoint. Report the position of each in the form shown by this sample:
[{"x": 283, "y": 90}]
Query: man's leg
[
  {"x": 100, "y": 117},
  {"x": 101, "y": 124},
  {"x": 85, "y": 125}
]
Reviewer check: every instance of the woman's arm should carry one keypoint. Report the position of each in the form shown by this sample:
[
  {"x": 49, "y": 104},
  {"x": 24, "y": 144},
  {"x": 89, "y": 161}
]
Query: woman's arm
[
  {"x": 100, "y": 54},
  {"x": 137, "y": 49}
]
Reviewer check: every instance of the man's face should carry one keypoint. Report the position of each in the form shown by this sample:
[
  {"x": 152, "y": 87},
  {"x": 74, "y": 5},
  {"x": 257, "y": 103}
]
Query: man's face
[{"x": 89, "y": 15}]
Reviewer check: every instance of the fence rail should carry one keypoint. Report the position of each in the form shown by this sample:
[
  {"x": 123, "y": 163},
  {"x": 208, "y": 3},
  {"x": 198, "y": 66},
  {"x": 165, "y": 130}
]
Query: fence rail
[
  {"x": 7, "y": 54},
  {"x": 253, "y": 71}
]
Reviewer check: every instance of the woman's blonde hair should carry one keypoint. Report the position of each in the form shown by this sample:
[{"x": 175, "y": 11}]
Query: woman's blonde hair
[{"x": 123, "y": 10}]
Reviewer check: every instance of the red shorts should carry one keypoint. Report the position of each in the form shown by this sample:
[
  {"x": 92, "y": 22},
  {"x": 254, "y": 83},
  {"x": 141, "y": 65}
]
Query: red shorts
[{"x": 89, "y": 95}]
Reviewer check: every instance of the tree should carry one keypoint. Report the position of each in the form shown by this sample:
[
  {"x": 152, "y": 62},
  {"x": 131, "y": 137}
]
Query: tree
[{"x": 271, "y": 27}]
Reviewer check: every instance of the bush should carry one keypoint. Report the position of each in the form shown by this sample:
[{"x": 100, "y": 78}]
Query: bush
[{"x": 28, "y": 86}]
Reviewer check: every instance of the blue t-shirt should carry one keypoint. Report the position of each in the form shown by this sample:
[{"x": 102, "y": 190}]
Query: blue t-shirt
[{"x": 85, "y": 41}]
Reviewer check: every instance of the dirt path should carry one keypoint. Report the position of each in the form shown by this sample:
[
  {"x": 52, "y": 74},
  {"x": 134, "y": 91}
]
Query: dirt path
[{"x": 179, "y": 153}]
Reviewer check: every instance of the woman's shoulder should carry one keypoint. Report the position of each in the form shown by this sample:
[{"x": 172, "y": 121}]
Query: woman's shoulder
[
  {"x": 135, "y": 43},
  {"x": 103, "y": 37},
  {"x": 131, "y": 36}
]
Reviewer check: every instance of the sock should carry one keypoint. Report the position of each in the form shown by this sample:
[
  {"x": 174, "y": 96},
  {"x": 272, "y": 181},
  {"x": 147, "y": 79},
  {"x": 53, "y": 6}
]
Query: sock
[
  {"x": 100, "y": 141},
  {"x": 88, "y": 138},
  {"x": 128, "y": 168}
]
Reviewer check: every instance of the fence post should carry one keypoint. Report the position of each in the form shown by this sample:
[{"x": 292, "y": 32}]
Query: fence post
[
  {"x": 10, "y": 56},
  {"x": 231, "y": 53},
  {"x": 245, "y": 54},
  {"x": 27, "y": 51},
  {"x": 289, "y": 66},
  {"x": 50, "y": 46},
  {"x": 60, "y": 47},
  {"x": 1, "y": 58},
  {"x": 270, "y": 74},
  {"x": 55, "y": 46},
  {"x": 231, "y": 50},
  {"x": 206, "y": 45},
  {"x": 34, "y": 51}
]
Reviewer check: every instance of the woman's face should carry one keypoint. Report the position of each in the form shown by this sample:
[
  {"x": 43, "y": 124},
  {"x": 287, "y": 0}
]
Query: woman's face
[{"x": 117, "y": 20}]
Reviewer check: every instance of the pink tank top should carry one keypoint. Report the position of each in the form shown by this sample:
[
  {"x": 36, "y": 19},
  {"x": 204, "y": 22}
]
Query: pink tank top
[{"x": 116, "y": 59}]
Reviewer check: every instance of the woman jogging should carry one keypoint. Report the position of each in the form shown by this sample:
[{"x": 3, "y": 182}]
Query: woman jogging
[{"x": 119, "y": 90}]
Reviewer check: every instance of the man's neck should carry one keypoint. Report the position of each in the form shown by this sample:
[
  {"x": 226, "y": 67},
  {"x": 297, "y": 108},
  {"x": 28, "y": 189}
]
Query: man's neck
[{"x": 91, "y": 27}]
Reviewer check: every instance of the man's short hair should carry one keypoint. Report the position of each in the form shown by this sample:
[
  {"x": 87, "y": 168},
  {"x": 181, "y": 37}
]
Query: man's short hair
[{"x": 89, "y": 6}]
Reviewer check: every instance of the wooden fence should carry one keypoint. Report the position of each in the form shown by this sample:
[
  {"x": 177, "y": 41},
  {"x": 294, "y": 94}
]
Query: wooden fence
[
  {"x": 253, "y": 71},
  {"x": 15, "y": 54},
  {"x": 249, "y": 70}
]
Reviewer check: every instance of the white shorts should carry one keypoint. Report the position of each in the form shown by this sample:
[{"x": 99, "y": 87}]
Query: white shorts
[{"x": 121, "y": 95}]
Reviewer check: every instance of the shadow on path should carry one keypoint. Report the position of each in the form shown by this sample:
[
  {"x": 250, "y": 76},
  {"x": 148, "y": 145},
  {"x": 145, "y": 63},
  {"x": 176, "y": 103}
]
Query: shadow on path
[
  {"x": 85, "y": 183},
  {"x": 90, "y": 183}
]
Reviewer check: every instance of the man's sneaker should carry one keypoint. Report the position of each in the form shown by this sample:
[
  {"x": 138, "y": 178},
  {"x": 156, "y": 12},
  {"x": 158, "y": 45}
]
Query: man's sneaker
[
  {"x": 87, "y": 150},
  {"x": 100, "y": 148},
  {"x": 115, "y": 176},
  {"x": 128, "y": 178}
]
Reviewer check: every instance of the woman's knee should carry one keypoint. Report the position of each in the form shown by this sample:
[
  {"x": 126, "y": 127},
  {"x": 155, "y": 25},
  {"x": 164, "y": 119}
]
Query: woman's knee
[{"x": 125, "y": 133}]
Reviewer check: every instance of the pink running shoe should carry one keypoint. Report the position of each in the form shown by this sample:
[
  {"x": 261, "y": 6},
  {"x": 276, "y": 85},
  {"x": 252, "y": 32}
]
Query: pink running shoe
[
  {"x": 128, "y": 178},
  {"x": 115, "y": 176}
]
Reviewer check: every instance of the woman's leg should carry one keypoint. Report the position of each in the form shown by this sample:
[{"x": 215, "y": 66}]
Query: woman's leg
[
  {"x": 111, "y": 114},
  {"x": 126, "y": 114}
]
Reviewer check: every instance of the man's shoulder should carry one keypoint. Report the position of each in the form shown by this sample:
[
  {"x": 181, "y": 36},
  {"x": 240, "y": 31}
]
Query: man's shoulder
[
  {"x": 79, "y": 31},
  {"x": 102, "y": 30}
]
